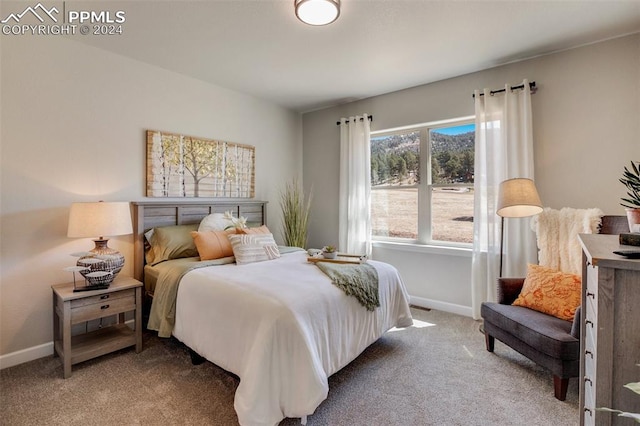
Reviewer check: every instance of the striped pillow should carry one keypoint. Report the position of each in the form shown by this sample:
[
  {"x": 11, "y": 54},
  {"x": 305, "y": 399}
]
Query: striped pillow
[{"x": 248, "y": 248}]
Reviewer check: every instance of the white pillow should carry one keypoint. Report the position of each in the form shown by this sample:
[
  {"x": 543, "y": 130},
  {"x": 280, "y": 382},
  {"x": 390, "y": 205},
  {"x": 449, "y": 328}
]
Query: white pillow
[
  {"x": 248, "y": 248},
  {"x": 214, "y": 222}
]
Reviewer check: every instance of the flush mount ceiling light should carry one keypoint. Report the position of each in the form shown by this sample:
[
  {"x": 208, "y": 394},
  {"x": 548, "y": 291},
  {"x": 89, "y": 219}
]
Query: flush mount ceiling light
[{"x": 317, "y": 12}]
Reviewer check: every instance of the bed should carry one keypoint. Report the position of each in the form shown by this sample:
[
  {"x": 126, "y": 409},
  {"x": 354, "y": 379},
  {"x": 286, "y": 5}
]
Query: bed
[{"x": 280, "y": 325}]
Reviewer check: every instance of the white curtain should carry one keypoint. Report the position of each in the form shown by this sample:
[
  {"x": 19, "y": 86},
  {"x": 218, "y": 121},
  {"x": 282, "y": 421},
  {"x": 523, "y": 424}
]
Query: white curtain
[
  {"x": 355, "y": 186},
  {"x": 503, "y": 150}
]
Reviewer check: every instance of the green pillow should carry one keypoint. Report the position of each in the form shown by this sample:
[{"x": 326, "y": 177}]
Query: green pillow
[{"x": 171, "y": 242}]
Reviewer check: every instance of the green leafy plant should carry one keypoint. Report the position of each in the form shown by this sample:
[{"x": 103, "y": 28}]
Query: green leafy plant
[
  {"x": 631, "y": 179},
  {"x": 295, "y": 214},
  {"x": 635, "y": 387},
  {"x": 328, "y": 249}
]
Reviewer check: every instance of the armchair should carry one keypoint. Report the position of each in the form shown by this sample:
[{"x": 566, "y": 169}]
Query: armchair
[{"x": 550, "y": 342}]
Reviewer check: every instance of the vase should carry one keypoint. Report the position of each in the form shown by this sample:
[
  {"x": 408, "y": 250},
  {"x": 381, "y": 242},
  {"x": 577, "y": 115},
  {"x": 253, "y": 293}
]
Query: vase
[{"x": 633, "y": 217}]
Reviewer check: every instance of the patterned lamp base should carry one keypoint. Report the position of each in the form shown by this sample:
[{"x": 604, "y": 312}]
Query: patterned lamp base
[{"x": 103, "y": 264}]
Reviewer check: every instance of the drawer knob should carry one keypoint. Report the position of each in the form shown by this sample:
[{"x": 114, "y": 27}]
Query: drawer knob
[
  {"x": 104, "y": 296},
  {"x": 588, "y": 410},
  {"x": 588, "y": 380},
  {"x": 589, "y": 322},
  {"x": 591, "y": 295},
  {"x": 589, "y": 353},
  {"x": 104, "y": 307}
]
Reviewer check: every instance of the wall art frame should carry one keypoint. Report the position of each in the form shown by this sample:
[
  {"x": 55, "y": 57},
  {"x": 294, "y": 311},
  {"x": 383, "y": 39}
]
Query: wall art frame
[{"x": 188, "y": 166}]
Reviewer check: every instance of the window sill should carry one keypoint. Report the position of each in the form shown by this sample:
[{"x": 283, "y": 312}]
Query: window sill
[{"x": 424, "y": 248}]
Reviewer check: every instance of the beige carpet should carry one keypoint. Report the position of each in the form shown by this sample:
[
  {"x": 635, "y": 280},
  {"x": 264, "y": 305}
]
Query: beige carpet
[{"x": 435, "y": 373}]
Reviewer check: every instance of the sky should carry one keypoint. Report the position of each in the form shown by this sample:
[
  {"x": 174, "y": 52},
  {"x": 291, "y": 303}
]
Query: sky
[
  {"x": 457, "y": 129},
  {"x": 452, "y": 130}
]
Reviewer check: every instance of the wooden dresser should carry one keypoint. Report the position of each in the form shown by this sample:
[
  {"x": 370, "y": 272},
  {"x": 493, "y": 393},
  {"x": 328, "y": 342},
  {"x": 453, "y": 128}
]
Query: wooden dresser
[{"x": 610, "y": 335}]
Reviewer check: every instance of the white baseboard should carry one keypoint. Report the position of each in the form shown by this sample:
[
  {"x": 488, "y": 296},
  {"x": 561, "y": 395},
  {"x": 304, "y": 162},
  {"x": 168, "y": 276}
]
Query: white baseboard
[
  {"x": 34, "y": 352},
  {"x": 46, "y": 349},
  {"x": 441, "y": 306},
  {"x": 26, "y": 355}
]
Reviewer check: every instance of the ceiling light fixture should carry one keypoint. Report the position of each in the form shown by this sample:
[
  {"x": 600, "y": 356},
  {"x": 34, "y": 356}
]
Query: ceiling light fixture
[{"x": 317, "y": 12}]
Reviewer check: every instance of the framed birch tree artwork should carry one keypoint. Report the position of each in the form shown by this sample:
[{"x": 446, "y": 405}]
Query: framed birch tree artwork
[{"x": 188, "y": 166}]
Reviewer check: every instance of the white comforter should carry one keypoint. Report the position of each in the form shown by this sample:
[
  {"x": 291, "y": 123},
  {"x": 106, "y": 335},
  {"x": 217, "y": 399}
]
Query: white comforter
[{"x": 283, "y": 328}]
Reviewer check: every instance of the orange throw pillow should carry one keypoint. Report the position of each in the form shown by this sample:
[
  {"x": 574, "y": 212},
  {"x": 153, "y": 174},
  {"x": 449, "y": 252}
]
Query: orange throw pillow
[
  {"x": 213, "y": 244},
  {"x": 259, "y": 230},
  {"x": 550, "y": 291}
]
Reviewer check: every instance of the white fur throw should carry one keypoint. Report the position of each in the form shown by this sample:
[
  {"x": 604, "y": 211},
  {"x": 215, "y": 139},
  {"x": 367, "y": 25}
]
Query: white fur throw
[{"x": 557, "y": 235}]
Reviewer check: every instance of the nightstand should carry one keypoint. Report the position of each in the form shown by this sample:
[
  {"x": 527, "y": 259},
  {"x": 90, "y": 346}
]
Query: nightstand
[{"x": 69, "y": 308}]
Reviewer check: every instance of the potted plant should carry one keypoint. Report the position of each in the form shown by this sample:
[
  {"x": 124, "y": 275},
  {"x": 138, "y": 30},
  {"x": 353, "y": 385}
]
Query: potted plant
[
  {"x": 634, "y": 387},
  {"x": 329, "y": 252},
  {"x": 631, "y": 179},
  {"x": 295, "y": 214}
]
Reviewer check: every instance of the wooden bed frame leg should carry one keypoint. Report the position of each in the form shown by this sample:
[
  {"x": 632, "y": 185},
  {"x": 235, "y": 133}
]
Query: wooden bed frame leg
[
  {"x": 196, "y": 359},
  {"x": 560, "y": 387}
]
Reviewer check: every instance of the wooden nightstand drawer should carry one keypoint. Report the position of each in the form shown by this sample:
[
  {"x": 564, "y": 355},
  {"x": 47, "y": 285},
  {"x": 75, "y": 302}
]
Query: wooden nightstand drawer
[
  {"x": 103, "y": 309},
  {"x": 104, "y": 298}
]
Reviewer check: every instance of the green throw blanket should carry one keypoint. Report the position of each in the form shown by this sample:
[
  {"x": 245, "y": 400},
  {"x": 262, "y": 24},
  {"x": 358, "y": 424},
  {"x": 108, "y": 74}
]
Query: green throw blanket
[{"x": 358, "y": 280}]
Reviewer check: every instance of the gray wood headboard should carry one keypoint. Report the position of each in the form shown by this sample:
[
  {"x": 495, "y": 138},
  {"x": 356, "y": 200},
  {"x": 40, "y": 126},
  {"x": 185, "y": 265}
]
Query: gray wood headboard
[{"x": 150, "y": 214}]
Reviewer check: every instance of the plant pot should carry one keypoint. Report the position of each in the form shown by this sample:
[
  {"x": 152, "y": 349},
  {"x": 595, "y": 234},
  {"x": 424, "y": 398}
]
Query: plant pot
[
  {"x": 331, "y": 255},
  {"x": 633, "y": 217}
]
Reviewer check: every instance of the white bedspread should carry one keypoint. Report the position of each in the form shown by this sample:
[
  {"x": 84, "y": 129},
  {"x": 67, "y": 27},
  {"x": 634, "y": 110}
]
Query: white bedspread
[{"x": 283, "y": 328}]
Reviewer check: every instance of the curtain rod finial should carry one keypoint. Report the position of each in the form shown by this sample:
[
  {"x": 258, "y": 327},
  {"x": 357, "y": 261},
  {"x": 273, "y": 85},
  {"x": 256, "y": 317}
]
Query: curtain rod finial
[{"x": 369, "y": 117}]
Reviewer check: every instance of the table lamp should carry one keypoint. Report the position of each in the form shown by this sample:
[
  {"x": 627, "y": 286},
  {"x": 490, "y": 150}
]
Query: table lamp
[
  {"x": 516, "y": 198},
  {"x": 99, "y": 219}
]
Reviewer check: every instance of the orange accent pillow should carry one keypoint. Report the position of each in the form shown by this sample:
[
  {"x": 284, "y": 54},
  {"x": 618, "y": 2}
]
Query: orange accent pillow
[
  {"x": 550, "y": 291},
  {"x": 213, "y": 244},
  {"x": 259, "y": 230}
]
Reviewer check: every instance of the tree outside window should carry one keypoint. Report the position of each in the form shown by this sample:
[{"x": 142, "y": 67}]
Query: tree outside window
[{"x": 438, "y": 209}]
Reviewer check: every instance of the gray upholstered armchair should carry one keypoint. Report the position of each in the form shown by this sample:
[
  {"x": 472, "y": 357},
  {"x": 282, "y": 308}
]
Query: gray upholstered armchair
[{"x": 550, "y": 342}]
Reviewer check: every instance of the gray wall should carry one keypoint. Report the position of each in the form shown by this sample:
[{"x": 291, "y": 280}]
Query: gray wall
[
  {"x": 73, "y": 129},
  {"x": 73, "y": 121},
  {"x": 586, "y": 118}
]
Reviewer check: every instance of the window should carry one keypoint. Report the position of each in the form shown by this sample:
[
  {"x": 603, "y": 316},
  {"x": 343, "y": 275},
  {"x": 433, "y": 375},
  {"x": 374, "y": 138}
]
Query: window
[{"x": 436, "y": 209}]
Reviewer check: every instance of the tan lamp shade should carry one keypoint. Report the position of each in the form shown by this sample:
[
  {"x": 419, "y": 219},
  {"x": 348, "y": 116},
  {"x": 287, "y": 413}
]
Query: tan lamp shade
[
  {"x": 99, "y": 219},
  {"x": 102, "y": 263},
  {"x": 518, "y": 198}
]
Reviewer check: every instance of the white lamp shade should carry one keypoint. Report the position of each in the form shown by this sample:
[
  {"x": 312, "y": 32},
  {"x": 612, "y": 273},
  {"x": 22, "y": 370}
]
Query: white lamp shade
[
  {"x": 99, "y": 219},
  {"x": 317, "y": 12},
  {"x": 518, "y": 198}
]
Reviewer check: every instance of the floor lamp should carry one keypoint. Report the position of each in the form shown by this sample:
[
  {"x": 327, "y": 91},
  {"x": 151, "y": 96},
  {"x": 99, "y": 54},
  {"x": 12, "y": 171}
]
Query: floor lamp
[{"x": 516, "y": 198}]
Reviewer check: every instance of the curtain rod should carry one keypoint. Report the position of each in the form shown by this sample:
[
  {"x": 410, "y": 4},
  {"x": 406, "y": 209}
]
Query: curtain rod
[
  {"x": 361, "y": 118},
  {"x": 532, "y": 87}
]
